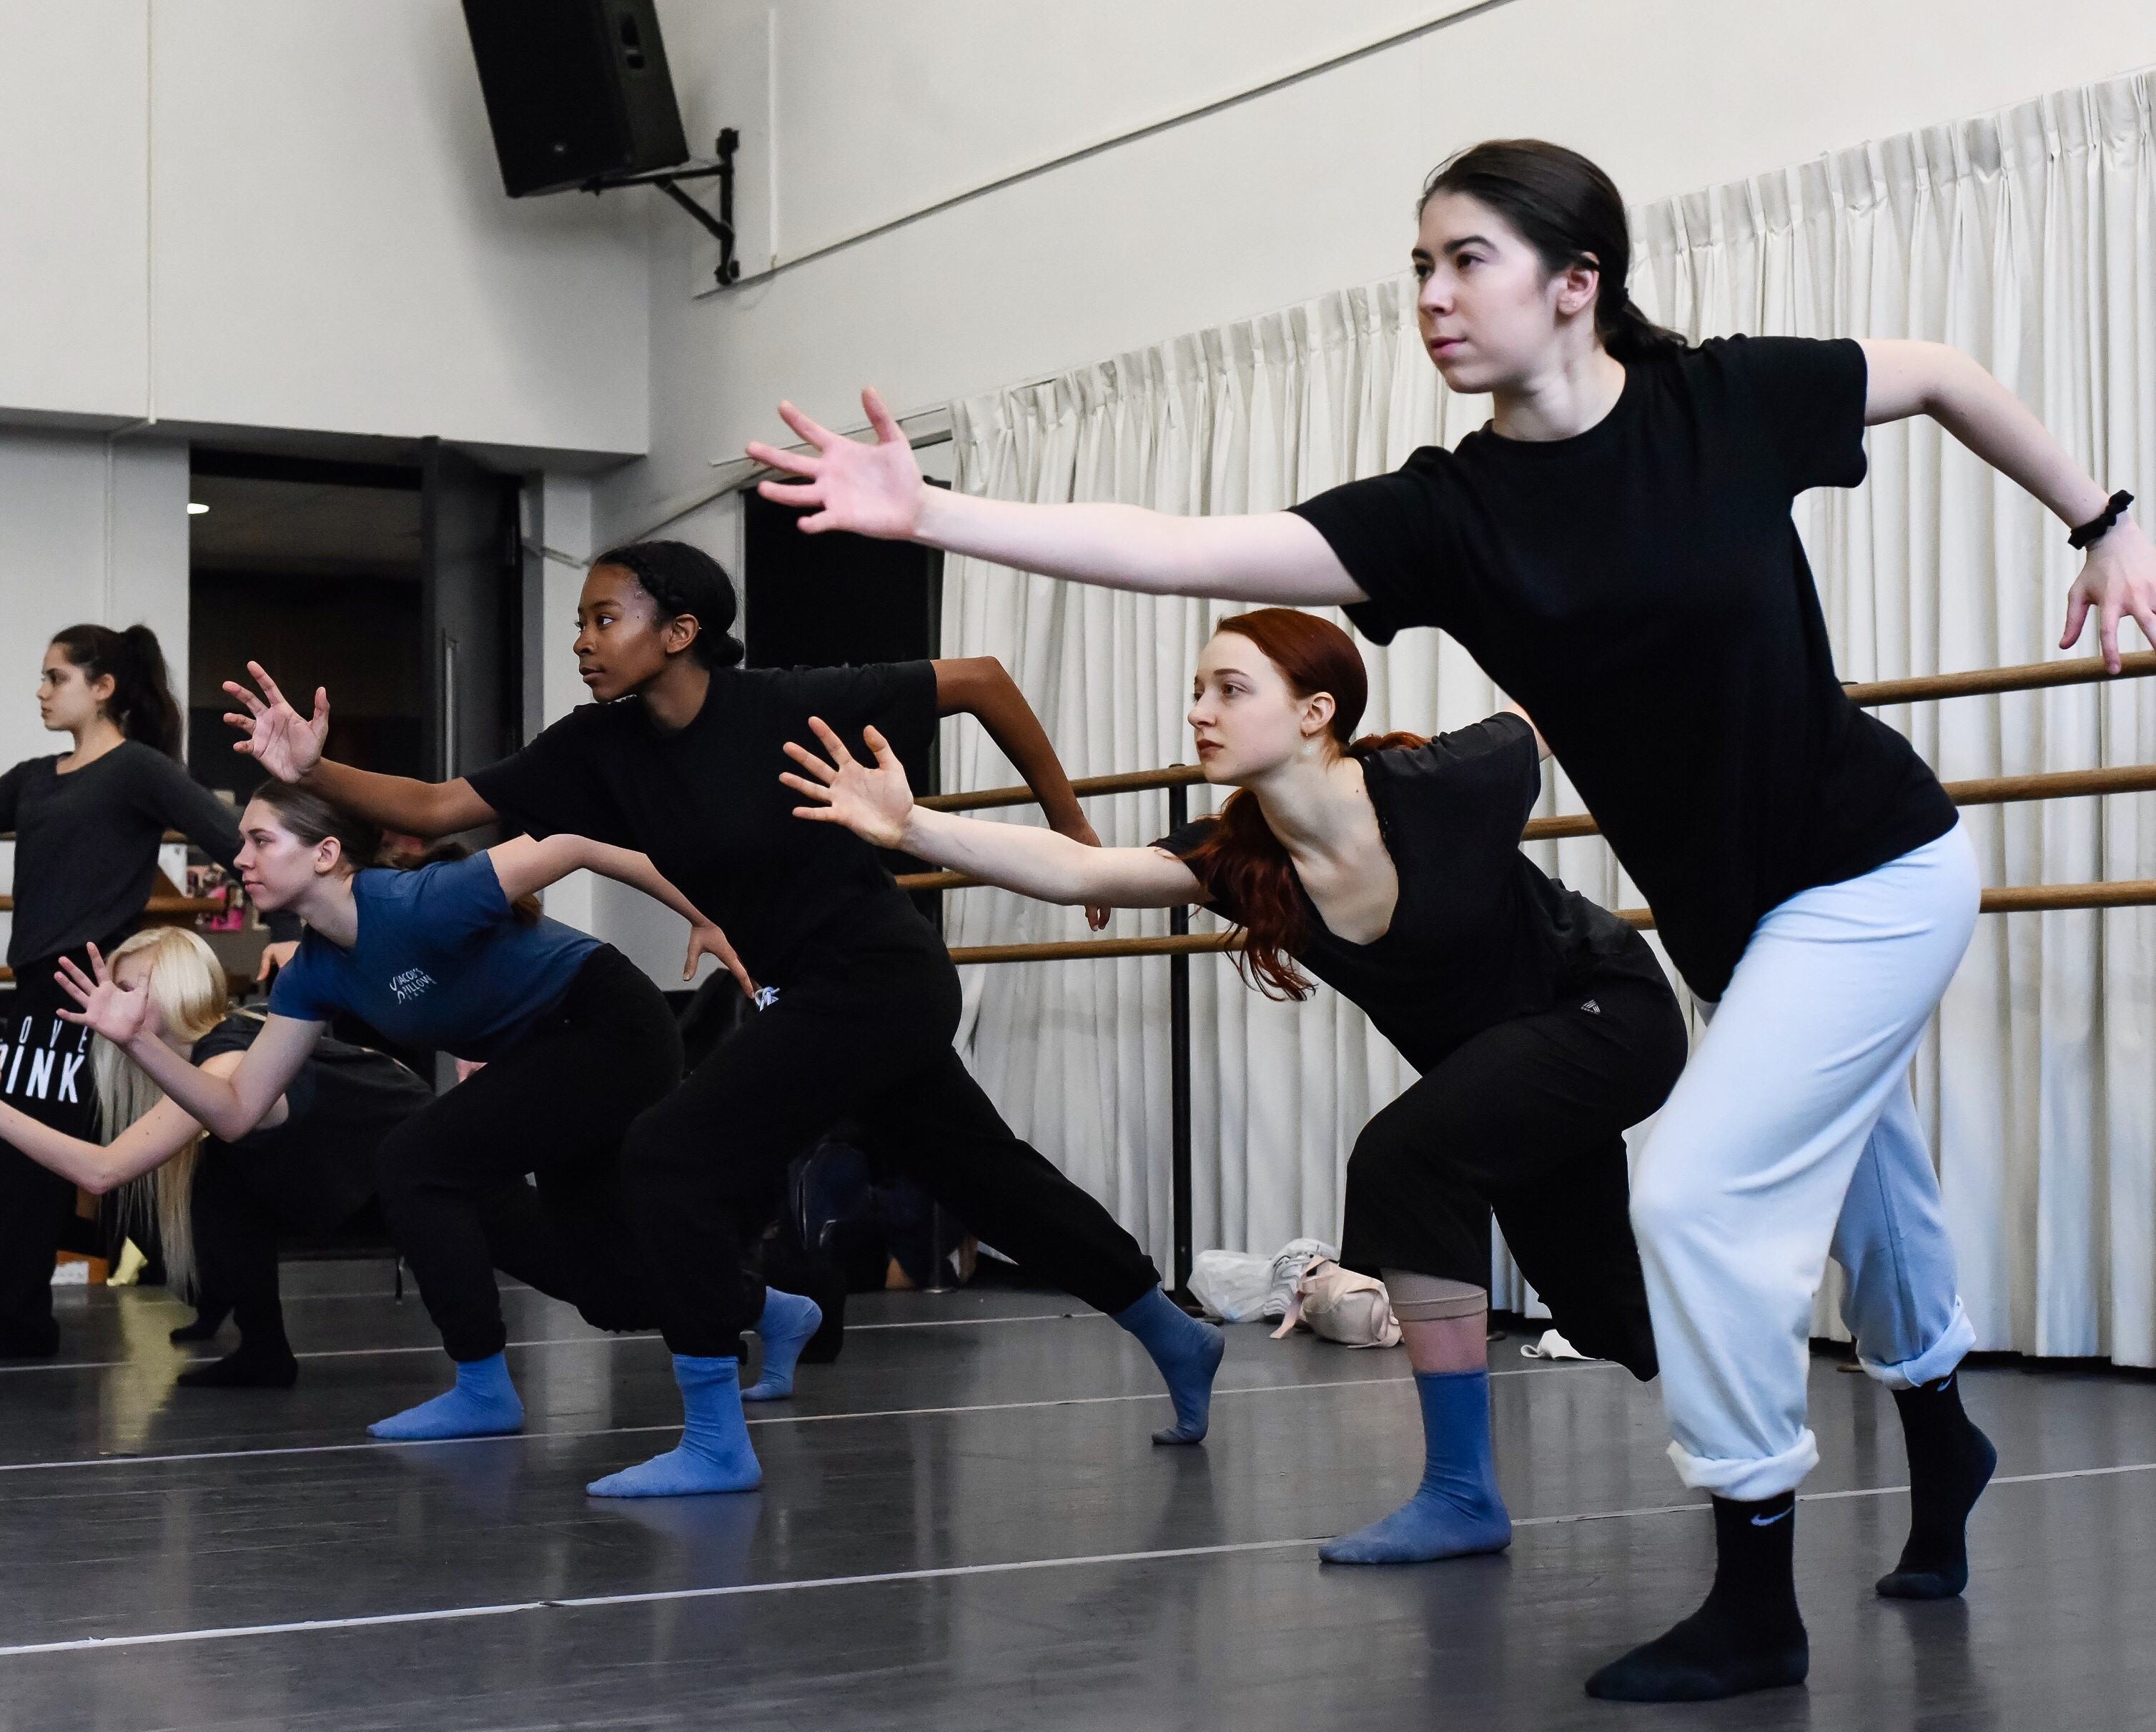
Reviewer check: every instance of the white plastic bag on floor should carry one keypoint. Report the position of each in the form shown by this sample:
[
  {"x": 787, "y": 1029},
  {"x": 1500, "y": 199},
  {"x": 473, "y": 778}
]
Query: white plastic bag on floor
[
  {"x": 1289, "y": 1263},
  {"x": 1233, "y": 1286},
  {"x": 1553, "y": 1346}
]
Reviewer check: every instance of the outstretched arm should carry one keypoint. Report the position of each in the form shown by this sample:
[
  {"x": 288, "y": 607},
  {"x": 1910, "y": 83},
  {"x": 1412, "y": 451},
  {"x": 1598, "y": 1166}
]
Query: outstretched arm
[
  {"x": 875, "y": 803},
  {"x": 980, "y": 686},
  {"x": 147, "y": 1144},
  {"x": 226, "y": 1105},
  {"x": 288, "y": 747},
  {"x": 2118, "y": 576},
  {"x": 526, "y": 863},
  {"x": 877, "y": 490}
]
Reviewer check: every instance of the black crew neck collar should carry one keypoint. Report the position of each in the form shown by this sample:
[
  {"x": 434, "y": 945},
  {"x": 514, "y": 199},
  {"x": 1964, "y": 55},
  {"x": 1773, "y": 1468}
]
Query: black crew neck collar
[{"x": 1545, "y": 450}]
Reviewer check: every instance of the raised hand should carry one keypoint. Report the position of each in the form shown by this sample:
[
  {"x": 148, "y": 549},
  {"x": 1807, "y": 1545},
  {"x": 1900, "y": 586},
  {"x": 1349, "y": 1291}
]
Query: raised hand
[
  {"x": 873, "y": 803},
  {"x": 871, "y": 489},
  {"x": 286, "y": 744},
  {"x": 706, "y": 938},
  {"x": 108, "y": 1009}
]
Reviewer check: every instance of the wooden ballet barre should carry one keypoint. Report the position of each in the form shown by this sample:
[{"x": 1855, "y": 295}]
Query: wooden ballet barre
[
  {"x": 1983, "y": 790},
  {"x": 1982, "y": 682},
  {"x": 1976, "y": 681},
  {"x": 2012, "y": 899}
]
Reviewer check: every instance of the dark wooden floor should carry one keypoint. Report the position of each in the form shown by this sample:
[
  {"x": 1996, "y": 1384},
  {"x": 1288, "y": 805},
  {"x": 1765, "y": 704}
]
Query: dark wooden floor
[{"x": 962, "y": 1525}]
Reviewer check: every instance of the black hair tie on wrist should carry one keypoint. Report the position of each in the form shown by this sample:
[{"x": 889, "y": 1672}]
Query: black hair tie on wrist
[{"x": 2113, "y": 509}]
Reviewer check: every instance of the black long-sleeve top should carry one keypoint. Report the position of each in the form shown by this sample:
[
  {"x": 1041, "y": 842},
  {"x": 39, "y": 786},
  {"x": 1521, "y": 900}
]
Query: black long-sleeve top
[{"x": 86, "y": 844}]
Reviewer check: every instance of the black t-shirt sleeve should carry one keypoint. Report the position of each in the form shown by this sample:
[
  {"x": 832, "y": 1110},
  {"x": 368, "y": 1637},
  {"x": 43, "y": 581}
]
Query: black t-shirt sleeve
[
  {"x": 1809, "y": 397},
  {"x": 1185, "y": 841},
  {"x": 1506, "y": 736},
  {"x": 897, "y": 698},
  {"x": 234, "y": 1034},
  {"x": 11, "y": 792},
  {"x": 1393, "y": 535},
  {"x": 555, "y": 786}
]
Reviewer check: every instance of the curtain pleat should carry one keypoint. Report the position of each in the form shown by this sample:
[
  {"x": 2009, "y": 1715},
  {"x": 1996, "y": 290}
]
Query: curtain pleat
[{"x": 2023, "y": 236}]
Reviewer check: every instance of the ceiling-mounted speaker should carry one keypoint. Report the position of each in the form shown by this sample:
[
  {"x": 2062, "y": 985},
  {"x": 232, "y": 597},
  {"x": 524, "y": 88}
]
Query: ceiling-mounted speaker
[{"x": 576, "y": 90}]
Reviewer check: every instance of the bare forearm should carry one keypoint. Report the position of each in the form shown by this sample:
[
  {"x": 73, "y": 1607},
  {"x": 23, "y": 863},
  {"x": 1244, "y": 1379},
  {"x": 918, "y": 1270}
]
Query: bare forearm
[
  {"x": 79, "y": 1162},
  {"x": 1275, "y": 557},
  {"x": 982, "y": 687},
  {"x": 638, "y": 873},
  {"x": 1958, "y": 392},
  {"x": 1046, "y": 866},
  {"x": 401, "y": 803},
  {"x": 217, "y": 1103}
]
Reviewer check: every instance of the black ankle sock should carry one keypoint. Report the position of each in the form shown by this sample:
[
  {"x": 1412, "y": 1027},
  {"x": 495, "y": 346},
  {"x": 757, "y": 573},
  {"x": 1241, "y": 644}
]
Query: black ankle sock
[
  {"x": 1950, "y": 1462},
  {"x": 1746, "y": 1635},
  {"x": 256, "y": 1363}
]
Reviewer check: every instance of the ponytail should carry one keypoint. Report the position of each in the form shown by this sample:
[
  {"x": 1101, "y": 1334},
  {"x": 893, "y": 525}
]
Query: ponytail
[{"x": 141, "y": 706}]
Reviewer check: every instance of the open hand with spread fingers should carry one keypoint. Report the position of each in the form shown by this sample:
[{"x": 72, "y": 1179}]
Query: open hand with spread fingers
[
  {"x": 873, "y": 803},
  {"x": 108, "y": 1009},
  {"x": 872, "y": 489},
  {"x": 286, "y": 744}
]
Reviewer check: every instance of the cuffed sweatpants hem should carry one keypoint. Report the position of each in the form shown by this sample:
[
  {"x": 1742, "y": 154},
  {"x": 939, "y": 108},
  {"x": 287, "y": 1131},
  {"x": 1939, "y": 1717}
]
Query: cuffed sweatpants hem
[
  {"x": 1934, "y": 1362},
  {"x": 1747, "y": 1482}
]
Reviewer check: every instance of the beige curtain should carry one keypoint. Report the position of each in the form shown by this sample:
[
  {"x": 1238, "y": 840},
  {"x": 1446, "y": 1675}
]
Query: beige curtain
[{"x": 2022, "y": 237}]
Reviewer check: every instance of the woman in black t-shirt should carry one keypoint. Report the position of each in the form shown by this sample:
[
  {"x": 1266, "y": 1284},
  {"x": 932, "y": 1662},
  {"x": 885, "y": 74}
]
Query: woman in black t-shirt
[
  {"x": 1616, "y": 549},
  {"x": 680, "y": 759},
  {"x": 1390, "y": 869},
  {"x": 87, "y": 828}
]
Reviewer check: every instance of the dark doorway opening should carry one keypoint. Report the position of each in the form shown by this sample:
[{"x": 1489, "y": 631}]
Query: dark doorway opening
[
  {"x": 312, "y": 570},
  {"x": 834, "y": 600},
  {"x": 838, "y": 600}
]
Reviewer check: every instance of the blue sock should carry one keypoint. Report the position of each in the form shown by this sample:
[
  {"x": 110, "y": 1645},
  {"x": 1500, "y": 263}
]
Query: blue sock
[
  {"x": 484, "y": 1404},
  {"x": 1188, "y": 1353},
  {"x": 1457, "y": 1510},
  {"x": 714, "y": 1454},
  {"x": 787, "y": 1322}
]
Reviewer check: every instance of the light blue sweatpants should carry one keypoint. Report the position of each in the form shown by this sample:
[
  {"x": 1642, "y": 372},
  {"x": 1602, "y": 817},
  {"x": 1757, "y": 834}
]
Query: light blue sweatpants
[{"x": 1792, "y": 1135}]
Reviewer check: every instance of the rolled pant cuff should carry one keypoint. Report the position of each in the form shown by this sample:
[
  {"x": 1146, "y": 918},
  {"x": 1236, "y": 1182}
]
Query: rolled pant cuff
[
  {"x": 1747, "y": 1481},
  {"x": 1934, "y": 1362}
]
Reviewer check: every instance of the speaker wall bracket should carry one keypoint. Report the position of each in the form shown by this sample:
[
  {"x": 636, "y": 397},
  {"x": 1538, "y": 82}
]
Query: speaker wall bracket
[{"x": 721, "y": 226}]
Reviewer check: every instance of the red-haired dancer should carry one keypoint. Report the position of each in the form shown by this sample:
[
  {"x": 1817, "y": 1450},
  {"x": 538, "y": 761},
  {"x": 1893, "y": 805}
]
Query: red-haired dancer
[{"x": 1390, "y": 868}]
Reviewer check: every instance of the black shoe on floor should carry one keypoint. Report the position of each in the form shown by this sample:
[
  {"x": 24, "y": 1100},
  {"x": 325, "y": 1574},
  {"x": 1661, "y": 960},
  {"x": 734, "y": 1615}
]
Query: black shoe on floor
[{"x": 246, "y": 1368}]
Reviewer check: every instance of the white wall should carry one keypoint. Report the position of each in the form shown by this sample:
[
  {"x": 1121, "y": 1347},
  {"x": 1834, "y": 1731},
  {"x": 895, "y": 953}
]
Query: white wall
[
  {"x": 880, "y": 110},
  {"x": 252, "y": 213}
]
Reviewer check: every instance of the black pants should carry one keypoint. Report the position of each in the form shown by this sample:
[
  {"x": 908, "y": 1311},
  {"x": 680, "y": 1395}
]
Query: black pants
[
  {"x": 45, "y": 1071},
  {"x": 555, "y": 1106},
  {"x": 1527, "y": 1118},
  {"x": 237, "y": 1210},
  {"x": 862, "y": 1031}
]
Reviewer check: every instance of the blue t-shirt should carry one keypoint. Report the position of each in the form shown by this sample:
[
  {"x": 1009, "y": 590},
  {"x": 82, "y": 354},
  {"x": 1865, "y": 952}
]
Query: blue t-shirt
[{"x": 440, "y": 961}]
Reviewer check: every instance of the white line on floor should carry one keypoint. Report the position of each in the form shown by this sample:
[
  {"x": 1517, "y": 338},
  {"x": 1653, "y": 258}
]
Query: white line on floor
[
  {"x": 630, "y": 1431},
  {"x": 852, "y": 1329},
  {"x": 232, "y": 1632}
]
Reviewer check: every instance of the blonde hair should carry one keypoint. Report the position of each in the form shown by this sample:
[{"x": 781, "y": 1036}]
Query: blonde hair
[{"x": 186, "y": 982}]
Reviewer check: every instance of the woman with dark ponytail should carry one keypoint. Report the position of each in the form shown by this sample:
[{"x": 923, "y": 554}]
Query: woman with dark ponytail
[
  {"x": 1616, "y": 549},
  {"x": 679, "y": 759},
  {"x": 87, "y": 826},
  {"x": 1390, "y": 868}
]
